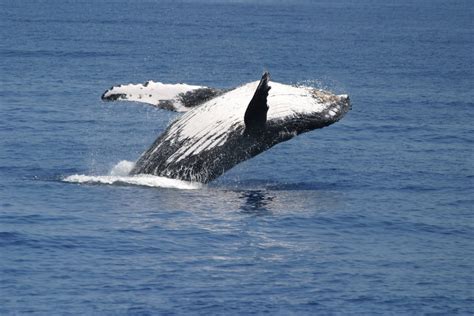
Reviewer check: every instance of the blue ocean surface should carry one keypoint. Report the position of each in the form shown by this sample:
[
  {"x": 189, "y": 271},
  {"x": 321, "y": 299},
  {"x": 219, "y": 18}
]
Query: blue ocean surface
[{"x": 371, "y": 215}]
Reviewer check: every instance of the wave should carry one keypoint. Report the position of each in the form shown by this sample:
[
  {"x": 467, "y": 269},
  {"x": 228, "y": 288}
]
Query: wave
[{"x": 120, "y": 175}]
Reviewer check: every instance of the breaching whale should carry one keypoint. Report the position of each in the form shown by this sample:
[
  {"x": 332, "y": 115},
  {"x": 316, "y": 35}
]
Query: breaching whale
[{"x": 222, "y": 128}]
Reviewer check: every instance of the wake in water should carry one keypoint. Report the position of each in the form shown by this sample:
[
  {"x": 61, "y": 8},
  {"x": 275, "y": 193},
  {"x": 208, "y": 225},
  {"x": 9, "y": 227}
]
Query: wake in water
[{"x": 120, "y": 175}]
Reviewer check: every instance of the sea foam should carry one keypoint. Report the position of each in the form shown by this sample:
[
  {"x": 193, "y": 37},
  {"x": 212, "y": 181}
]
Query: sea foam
[{"x": 119, "y": 174}]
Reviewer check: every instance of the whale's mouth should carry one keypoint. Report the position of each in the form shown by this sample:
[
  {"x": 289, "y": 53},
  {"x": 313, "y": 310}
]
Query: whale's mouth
[
  {"x": 338, "y": 107},
  {"x": 345, "y": 101}
]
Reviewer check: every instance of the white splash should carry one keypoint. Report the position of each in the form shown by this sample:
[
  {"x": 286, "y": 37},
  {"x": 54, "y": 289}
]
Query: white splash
[
  {"x": 123, "y": 168},
  {"x": 120, "y": 175}
]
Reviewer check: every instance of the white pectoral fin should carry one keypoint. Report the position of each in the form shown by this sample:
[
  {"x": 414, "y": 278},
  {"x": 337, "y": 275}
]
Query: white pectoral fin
[{"x": 176, "y": 97}]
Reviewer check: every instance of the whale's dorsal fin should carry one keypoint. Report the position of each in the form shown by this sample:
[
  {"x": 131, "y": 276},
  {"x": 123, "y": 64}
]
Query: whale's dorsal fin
[{"x": 256, "y": 113}]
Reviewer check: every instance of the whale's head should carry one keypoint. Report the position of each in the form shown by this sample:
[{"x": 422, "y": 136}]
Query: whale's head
[{"x": 293, "y": 110}]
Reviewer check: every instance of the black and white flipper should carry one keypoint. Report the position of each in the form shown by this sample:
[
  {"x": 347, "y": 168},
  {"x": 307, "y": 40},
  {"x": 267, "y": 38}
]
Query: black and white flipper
[{"x": 176, "y": 97}]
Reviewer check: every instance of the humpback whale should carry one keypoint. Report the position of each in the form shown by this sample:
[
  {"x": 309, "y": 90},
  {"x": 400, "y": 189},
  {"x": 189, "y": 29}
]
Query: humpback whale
[{"x": 222, "y": 128}]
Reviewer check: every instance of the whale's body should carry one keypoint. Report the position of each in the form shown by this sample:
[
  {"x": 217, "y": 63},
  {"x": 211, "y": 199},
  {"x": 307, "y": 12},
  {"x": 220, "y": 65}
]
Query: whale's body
[{"x": 228, "y": 127}]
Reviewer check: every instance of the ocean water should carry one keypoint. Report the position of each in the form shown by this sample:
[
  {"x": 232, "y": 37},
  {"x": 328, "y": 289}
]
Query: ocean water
[{"x": 372, "y": 215}]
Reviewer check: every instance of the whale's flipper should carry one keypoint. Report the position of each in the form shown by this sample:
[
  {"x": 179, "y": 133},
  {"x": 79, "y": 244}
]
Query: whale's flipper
[
  {"x": 176, "y": 97},
  {"x": 256, "y": 114}
]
